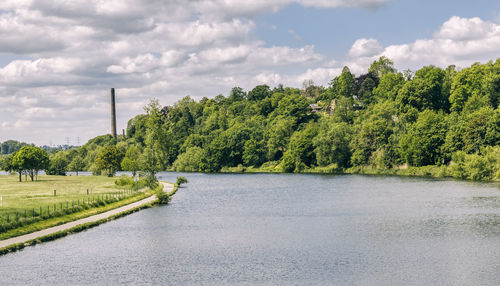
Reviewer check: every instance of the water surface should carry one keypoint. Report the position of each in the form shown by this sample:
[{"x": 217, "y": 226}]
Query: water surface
[{"x": 277, "y": 229}]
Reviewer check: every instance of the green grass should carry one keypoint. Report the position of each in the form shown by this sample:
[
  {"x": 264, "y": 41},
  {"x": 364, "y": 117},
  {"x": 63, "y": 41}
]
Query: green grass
[
  {"x": 78, "y": 228},
  {"x": 19, "y": 198},
  {"x": 36, "y": 226}
]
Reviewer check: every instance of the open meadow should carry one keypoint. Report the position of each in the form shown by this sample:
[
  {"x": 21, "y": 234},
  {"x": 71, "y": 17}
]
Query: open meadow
[{"x": 27, "y": 206}]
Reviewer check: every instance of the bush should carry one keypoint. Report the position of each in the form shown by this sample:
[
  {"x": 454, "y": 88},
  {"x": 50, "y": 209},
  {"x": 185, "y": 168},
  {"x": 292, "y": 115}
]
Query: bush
[
  {"x": 163, "y": 198},
  {"x": 124, "y": 181},
  {"x": 189, "y": 161},
  {"x": 480, "y": 166},
  {"x": 181, "y": 180},
  {"x": 131, "y": 183}
]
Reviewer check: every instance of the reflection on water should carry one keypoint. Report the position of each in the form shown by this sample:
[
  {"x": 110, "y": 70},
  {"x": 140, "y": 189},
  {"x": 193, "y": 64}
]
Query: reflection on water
[{"x": 285, "y": 230}]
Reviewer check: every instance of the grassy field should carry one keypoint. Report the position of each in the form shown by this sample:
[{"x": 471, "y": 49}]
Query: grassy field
[
  {"x": 20, "y": 196},
  {"x": 30, "y": 206}
]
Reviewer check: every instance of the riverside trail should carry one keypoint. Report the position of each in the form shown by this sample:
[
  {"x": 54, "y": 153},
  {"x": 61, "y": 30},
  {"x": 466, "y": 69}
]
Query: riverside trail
[{"x": 167, "y": 187}]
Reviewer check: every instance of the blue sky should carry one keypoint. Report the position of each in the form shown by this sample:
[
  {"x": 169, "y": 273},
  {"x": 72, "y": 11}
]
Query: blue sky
[
  {"x": 58, "y": 58},
  {"x": 332, "y": 31}
]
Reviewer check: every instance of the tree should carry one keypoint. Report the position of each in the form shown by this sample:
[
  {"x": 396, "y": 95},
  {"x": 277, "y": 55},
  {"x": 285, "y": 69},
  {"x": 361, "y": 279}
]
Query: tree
[
  {"x": 278, "y": 136},
  {"x": 109, "y": 160},
  {"x": 30, "y": 160},
  {"x": 373, "y": 132},
  {"x": 17, "y": 165},
  {"x": 189, "y": 161},
  {"x": 11, "y": 146},
  {"x": 382, "y": 67},
  {"x": 310, "y": 90},
  {"x": 156, "y": 142},
  {"x": 136, "y": 128},
  {"x": 300, "y": 153},
  {"x": 296, "y": 106},
  {"x": 58, "y": 165},
  {"x": 217, "y": 154},
  {"x": 254, "y": 153},
  {"x": 425, "y": 91},
  {"x": 260, "y": 92},
  {"x": 389, "y": 86},
  {"x": 481, "y": 128},
  {"x": 6, "y": 164},
  {"x": 343, "y": 85},
  {"x": 364, "y": 86},
  {"x": 237, "y": 94},
  {"x": 77, "y": 164},
  {"x": 132, "y": 160},
  {"x": 332, "y": 143},
  {"x": 421, "y": 145},
  {"x": 344, "y": 110}
]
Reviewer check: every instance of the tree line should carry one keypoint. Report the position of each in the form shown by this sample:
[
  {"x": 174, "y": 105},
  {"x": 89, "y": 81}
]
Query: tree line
[{"x": 443, "y": 121}]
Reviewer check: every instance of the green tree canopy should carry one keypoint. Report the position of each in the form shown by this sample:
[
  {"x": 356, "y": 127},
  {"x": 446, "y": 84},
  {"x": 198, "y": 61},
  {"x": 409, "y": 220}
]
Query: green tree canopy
[
  {"x": 421, "y": 145},
  {"x": 108, "y": 160},
  {"x": 132, "y": 161},
  {"x": 30, "y": 160},
  {"x": 382, "y": 66}
]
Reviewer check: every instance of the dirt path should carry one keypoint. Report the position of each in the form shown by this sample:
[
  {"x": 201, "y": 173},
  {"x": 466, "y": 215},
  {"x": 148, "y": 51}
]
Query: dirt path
[{"x": 167, "y": 187}]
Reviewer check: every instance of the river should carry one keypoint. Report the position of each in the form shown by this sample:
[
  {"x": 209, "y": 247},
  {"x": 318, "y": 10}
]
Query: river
[{"x": 279, "y": 229}]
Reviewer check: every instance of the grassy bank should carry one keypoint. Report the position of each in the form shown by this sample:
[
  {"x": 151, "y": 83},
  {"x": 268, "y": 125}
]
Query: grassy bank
[
  {"x": 82, "y": 227},
  {"x": 424, "y": 171},
  {"x": 19, "y": 196},
  {"x": 32, "y": 206},
  {"x": 76, "y": 229},
  {"x": 43, "y": 224}
]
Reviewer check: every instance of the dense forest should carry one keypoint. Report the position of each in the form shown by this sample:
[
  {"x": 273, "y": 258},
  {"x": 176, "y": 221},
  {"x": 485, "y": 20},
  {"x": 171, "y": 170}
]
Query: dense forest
[
  {"x": 438, "y": 122},
  {"x": 11, "y": 146}
]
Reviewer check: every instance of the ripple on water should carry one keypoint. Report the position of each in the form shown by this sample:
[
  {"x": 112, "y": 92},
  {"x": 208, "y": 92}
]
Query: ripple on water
[{"x": 278, "y": 229}]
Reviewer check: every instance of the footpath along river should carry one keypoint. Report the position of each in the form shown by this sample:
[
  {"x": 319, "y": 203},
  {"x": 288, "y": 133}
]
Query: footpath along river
[{"x": 278, "y": 229}]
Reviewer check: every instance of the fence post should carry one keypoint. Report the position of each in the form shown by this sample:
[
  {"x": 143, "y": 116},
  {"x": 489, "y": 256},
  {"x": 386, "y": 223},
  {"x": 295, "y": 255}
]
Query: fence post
[{"x": 54, "y": 193}]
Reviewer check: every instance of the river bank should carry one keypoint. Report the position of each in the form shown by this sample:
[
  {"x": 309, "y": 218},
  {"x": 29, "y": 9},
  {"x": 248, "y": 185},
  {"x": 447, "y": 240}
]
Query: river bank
[
  {"x": 19, "y": 242},
  {"x": 285, "y": 229},
  {"x": 432, "y": 171}
]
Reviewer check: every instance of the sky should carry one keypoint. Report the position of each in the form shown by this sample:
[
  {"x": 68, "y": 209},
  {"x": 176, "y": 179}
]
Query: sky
[{"x": 59, "y": 58}]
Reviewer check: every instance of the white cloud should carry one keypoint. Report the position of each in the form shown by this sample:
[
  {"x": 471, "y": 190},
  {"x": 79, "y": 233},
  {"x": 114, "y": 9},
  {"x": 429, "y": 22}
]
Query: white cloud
[
  {"x": 237, "y": 8},
  {"x": 74, "y": 51},
  {"x": 365, "y": 48},
  {"x": 463, "y": 29},
  {"x": 268, "y": 78},
  {"x": 139, "y": 64},
  {"x": 459, "y": 41},
  {"x": 343, "y": 3},
  {"x": 321, "y": 76}
]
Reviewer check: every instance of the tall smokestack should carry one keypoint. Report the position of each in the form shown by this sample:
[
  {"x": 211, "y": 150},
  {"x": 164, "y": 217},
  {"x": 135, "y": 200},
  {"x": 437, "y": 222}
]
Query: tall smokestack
[{"x": 113, "y": 114}]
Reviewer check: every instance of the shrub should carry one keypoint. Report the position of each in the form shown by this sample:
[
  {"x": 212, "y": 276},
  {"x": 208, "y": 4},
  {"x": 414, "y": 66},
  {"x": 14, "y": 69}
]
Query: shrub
[
  {"x": 163, "y": 198},
  {"x": 189, "y": 161},
  {"x": 181, "y": 180},
  {"x": 124, "y": 181}
]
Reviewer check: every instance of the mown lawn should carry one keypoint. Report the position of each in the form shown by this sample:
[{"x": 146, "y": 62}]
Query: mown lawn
[
  {"x": 23, "y": 202},
  {"x": 20, "y": 196}
]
